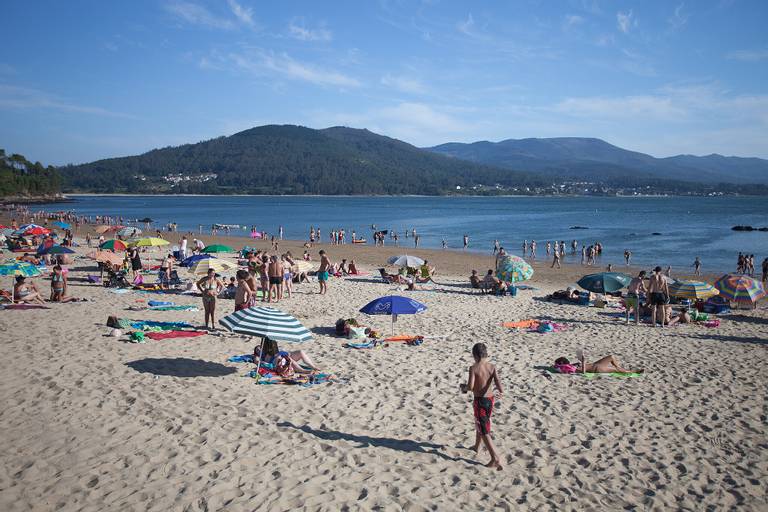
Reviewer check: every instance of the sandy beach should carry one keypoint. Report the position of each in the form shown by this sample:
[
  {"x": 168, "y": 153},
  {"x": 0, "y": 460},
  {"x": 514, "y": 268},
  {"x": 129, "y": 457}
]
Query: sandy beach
[{"x": 92, "y": 422}]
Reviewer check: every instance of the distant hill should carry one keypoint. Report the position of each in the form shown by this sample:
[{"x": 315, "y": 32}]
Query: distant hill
[
  {"x": 287, "y": 159},
  {"x": 21, "y": 179},
  {"x": 595, "y": 159}
]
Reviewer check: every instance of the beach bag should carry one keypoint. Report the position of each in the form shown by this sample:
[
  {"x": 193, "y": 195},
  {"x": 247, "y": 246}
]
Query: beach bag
[
  {"x": 356, "y": 333},
  {"x": 545, "y": 327}
]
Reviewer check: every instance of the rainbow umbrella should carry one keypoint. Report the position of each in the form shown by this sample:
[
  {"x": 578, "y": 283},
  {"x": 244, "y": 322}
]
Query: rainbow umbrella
[
  {"x": 18, "y": 268},
  {"x": 738, "y": 288},
  {"x": 513, "y": 269},
  {"x": 692, "y": 290},
  {"x": 113, "y": 245}
]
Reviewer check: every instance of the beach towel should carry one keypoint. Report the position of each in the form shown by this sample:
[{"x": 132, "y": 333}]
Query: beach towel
[
  {"x": 159, "y": 303},
  {"x": 245, "y": 358},
  {"x": 154, "y": 325},
  {"x": 369, "y": 344},
  {"x": 174, "y": 308},
  {"x": 304, "y": 381},
  {"x": 522, "y": 324},
  {"x": 405, "y": 338},
  {"x": 174, "y": 334},
  {"x": 589, "y": 375},
  {"x": 24, "y": 306},
  {"x": 545, "y": 327}
]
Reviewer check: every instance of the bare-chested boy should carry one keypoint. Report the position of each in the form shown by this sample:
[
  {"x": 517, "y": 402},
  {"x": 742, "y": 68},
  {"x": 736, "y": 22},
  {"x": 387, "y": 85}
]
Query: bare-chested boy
[
  {"x": 658, "y": 293},
  {"x": 482, "y": 375},
  {"x": 322, "y": 272}
]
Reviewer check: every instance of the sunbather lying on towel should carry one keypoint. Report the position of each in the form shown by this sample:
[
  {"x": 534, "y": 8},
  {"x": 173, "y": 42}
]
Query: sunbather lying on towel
[
  {"x": 607, "y": 364},
  {"x": 392, "y": 278},
  {"x": 271, "y": 354}
]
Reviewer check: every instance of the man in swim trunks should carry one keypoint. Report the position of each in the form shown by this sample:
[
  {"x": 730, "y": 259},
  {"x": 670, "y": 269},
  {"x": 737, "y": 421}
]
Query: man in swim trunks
[
  {"x": 658, "y": 293},
  {"x": 322, "y": 273},
  {"x": 482, "y": 375},
  {"x": 635, "y": 291},
  {"x": 275, "y": 271}
]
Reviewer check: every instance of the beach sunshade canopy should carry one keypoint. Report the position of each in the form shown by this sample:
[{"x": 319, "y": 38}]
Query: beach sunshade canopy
[
  {"x": 62, "y": 225},
  {"x": 188, "y": 262},
  {"x": 266, "y": 322},
  {"x": 217, "y": 248},
  {"x": 513, "y": 269},
  {"x": 129, "y": 232},
  {"x": 106, "y": 257},
  {"x": 148, "y": 242},
  {"x": 35, "y": 230},
  {"x": 202, "y": 266},
  {"x": 113, "y": 245},
  {"x": 303, "y": 266},
  {"x": 393, "y": 305},
  {"x": 738, "y": 288},
  {"x": 55, "y": 249},
  {"x": 692, "y": 290},
  {"x": 406, "y": 260},
  {"x": 603, "y": 282},
  {"x": 19, "y": 268}
]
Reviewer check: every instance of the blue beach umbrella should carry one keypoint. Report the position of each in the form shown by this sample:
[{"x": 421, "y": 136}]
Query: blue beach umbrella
[
  {"x": 603, "y": 282},
  {"x": 62, "y": 225},
  {"x": 393, "y": 305}
]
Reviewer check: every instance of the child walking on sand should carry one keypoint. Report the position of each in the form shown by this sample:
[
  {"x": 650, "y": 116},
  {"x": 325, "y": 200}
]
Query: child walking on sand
[{"x": 481, "y": 375}]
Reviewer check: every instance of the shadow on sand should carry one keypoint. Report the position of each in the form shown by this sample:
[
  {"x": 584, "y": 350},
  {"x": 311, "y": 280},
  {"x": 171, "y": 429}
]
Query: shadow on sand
[{"x": 181, "y": 367}]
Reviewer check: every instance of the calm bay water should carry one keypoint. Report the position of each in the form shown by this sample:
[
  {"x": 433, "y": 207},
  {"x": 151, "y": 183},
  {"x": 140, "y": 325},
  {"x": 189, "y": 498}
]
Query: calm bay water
[{"x": 689, "y": 226}]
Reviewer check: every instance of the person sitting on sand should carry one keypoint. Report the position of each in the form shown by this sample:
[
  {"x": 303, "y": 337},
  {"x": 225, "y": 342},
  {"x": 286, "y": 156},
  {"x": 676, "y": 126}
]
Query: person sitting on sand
[
  {"x": 607, "y": 364},
  {"x": 343, "y": 267},
  {"x": 474, "y": 280},
  {"x": 427, "y": 273},
  {"x": 271, "y": 354},
  {"x": 391, "y": 278},
  {"x": 352, "y": 268},
  {"x": 26, "y": 291},
  {"x": 59, "y": 286},
  {"x": 683, "y": 317},
  {"x": 492, "y": 284},
  {"x": 29, "y": 258}
]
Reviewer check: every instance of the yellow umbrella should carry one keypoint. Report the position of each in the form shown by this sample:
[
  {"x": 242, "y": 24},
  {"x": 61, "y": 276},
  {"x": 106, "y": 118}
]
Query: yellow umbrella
[
  {"x": 201, "y": 267},
  {"x": 148, "y": 242}
]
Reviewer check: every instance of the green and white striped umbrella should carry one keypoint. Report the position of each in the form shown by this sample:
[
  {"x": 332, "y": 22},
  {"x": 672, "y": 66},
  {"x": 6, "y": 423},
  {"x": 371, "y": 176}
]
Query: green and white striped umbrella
[{"x": 266, "y": 322}]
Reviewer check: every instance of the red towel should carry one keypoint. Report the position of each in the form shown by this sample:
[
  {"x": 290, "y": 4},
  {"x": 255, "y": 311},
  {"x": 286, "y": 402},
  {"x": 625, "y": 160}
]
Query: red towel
[{"x": 174, "y": 334}]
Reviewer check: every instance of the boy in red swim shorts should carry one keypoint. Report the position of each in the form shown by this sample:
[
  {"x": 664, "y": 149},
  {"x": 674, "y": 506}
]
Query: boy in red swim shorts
[{"x": 481, "y": 375}]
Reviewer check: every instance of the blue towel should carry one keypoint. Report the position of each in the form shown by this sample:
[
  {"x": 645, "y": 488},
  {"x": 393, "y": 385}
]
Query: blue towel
[
  {"x": 245, "y": 358},
  {"x": 160, "y": 303}
]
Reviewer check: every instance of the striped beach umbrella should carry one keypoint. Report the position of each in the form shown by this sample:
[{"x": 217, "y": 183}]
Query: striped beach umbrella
[
  {"x": 268, "y": 323},
  {"x": 692, "y": 290},
  {"x": 513, "y": 269},
  {"x": 201, "y": 267},
  {"x": 739, "y": 288}
]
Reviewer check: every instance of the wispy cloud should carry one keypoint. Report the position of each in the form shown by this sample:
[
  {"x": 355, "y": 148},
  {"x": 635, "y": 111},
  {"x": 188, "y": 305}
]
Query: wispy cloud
[
  {"x": 625, "y": 21},
  {"x": 749, "y": 55},
  {"x": 404, "y": 84},
  {"x": 678, "y": 18},
  {"x": 15, "y": 97},
  {"x": 572, "y": 20},
  {"x": 467, "y": 27},
  {"x": 264, "y": 62},
  {"x": 244, "y": 14},
  {"x": 298, "y": 30}
]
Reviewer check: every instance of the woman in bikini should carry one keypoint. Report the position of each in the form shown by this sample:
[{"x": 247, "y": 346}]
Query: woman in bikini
[
  {"x": 59, "y": 286},
  {"x": 26, "y": 292},
  {"x": 271, "y": 354},
  {"x": 607, "y": 364},
  {"x": 211, "y": 286},
  {"x": 288, "y": 264}
]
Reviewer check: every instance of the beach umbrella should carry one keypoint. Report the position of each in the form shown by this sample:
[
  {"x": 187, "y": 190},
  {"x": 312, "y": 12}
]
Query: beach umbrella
[
  {"x": 18, "y": 268},
  {"x": 268, "y": 323},
  {"x": 36, "y": 230},
  {"x": 129, "y": 232},
  {"x": 7, "y": 231},
  {"x": 62, "y": 225},
  {"x": 405, "y": 260},
  {"x": 217, "y": 248},
  {"x": 55, "y": 249},
  {"x": 692, "y": 290},
  {"x": 202, "y": 266},
  {"x": 148, "y": 242},
  {"x": 113, "y": 245},
  {"x": 603, "y": 282},
  {"x": 303, "y": 266},
  {"x": 393, "y": 305},
  {"x": 106, "y": 257},
  {"x": 102, "y": 229},
  {"x": 739, "y": 288},
  {"x": 188, "y": 262},
  {"x": 513, "y": 269}
]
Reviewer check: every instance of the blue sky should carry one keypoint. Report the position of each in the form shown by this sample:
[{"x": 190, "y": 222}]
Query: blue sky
[{"x": 86, "y": 80}]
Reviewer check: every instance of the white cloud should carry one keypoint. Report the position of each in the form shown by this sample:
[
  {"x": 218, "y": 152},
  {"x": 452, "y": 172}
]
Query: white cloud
[
  {"x": 625, "y": 21},
  {"x": 678, "y": 18},
  {"x": 244, "y": 14},
  {"x": 14, "y": 97},
  {"x": 749, "y": 55},
  {"x": 404, "y": 84},
  {"x": 467, "y": 26},
  {"x": 288, "y": 67},
  {"x": 572, "y": 20},
  {"x": 299, "y": 31},
  {"x": 195, "y": 14}
]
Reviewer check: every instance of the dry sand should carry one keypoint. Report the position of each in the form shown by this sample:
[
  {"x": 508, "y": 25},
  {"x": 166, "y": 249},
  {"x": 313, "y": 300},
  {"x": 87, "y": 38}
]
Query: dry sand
[{"x": 91, "y": 422}]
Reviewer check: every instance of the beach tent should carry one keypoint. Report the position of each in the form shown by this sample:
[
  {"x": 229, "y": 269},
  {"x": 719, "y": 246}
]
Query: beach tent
[
  {"x": 513, "y": 269},
  {"x": 393, "y": 305},
  {"x": 603, "y": 282},
  {"x": 740, "y": 288},
  {"x": 18, "y": 268}
]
